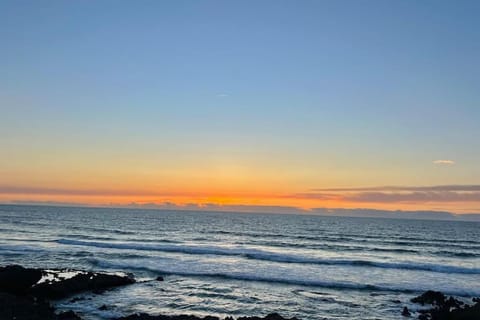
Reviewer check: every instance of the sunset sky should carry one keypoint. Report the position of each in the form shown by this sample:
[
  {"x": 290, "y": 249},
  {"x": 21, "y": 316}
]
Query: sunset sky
[{"x": 257, "y": 103}]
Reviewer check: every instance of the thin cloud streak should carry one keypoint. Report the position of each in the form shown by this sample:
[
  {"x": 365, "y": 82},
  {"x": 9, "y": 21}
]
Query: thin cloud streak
[
  {"x": 397, "y": 194},
  {"x": 417, "y": 197},
  {"x": 470, "y": 187},
  {"x": 444, "y": 162},
  {"x": 75, "y": 192}
]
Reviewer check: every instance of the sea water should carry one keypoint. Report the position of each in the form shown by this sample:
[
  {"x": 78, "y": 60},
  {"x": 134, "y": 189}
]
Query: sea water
[{"x": 311, "y": 267}]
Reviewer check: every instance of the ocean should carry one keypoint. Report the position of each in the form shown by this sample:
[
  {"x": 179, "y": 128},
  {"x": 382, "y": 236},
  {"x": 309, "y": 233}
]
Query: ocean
[{"x": 311, "y": 267}]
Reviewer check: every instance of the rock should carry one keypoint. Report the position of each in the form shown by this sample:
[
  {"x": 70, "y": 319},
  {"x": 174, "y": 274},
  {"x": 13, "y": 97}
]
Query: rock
[
  {"x": 68, "y": 315},
  {"x": 144, "y": 316},
  {"x": 89, "y": 281},
  {"x": 406, "y": 312},
  {"x": 103, "y": 307},
  {"x": 159, "y": 278},
  {"x": 17, "y": 279},
  {"x": 271, "y": 316},
  {"x": 446, "y": 309},
  {"x": 430, "y": 297},
  {"x": 452, "y": 303},
  {"x": 98, "y": 291},
  {"x": 24, "y": 308}
]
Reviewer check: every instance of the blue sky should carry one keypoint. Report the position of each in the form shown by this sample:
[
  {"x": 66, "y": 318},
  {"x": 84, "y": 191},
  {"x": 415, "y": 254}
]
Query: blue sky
[{"x": 337, "y": 93}]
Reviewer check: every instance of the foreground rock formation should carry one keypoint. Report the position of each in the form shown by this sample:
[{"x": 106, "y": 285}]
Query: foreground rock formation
[
  {"x": 25, "y": 296},
  {"x": 443, "y": 308}
]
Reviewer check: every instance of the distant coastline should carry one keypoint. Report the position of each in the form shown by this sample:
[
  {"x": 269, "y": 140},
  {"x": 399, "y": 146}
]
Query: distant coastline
[{"x": 245, "y": 209}]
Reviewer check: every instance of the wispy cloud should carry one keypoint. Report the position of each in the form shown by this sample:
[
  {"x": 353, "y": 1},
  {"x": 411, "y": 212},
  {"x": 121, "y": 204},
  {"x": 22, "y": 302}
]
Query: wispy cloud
[
  {"x": 398, "y": 194},
  {"x": 215, "y": 207},
  {"x": 444, "y": 162},
  {"x": 447, "y": 187},
  {"x": 416, "y": 197},
  {"x": 77, "y": 192}
]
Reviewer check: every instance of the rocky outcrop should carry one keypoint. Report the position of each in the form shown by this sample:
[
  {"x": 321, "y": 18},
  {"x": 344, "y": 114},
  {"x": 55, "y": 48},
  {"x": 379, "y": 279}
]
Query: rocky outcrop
[
  {"x": 444, "y": 308},
  {"x": 23, "y": 297},
  {"x": 88, "y": 281},
  {"x": 144, "y": 316},
  {"x": 17, "y": 279},
  {"x": 22, "y": 307},
  {"x": 430, "y": 297}
]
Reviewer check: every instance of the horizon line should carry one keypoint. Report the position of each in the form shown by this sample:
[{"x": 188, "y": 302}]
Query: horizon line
[{"x": 321, "y": 211}]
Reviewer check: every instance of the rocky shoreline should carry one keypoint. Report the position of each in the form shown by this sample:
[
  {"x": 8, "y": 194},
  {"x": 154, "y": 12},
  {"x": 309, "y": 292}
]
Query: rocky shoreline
[{"x": 28, "y": 293}]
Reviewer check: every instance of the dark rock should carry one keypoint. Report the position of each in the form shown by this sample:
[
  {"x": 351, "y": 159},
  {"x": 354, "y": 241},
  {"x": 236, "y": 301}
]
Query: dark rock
[
  {"x": 98, "y": 291},
  {"x": 271, "y": 316},
  {"x": 103, "y": 307},
  {"x": 159, "y": 278},
  {"x": 452, "y": 303},
  {"x": 446, "y": 309},
  {"x": 430, "y": 297},
  {"x": 24, "y": 308},
  {"x": 17, "y": 279},
  {"x": 144, "y": 316},
  {"x": 68, "y": 315},
  {"x": 406, "y": 312},
  {"x": 89, "y": 281}
]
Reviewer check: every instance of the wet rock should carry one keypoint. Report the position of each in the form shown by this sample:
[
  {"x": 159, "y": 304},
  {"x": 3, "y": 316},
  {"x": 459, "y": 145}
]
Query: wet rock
[
  {"x": 159, "y": 278},
  {"x": 24, "y": 308},
  {"x": 68, "y": 315},
  {"x": 17, "y": 279},
  {"x": 430, "y": 297},
  {"x": 98, "y": 291},
  {"x": 406, "y": 312},
  {"x": 271, "y": 316},
  {"x": 144, "y": 316},
  {"x": 446, "y": 309},
  {"x": 89, "y": 281},
  {"x": 103, "y": 307}
]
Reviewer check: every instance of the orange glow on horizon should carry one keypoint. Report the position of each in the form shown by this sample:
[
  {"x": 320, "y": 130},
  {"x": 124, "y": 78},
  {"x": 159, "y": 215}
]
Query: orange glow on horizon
[{"x": 223, "y": 199}]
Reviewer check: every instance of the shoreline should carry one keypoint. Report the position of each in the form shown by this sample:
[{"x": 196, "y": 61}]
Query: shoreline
[{"x": 29, "y": 294}]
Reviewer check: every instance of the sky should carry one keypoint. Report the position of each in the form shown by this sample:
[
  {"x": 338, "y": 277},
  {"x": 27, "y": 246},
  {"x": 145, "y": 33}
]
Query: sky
[{"x": 308, "y": 104}]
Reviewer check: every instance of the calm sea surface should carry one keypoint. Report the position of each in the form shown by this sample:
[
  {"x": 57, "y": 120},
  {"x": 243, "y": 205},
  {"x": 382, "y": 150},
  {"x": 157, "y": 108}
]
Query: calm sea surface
[{"x": 312, "y": 267}]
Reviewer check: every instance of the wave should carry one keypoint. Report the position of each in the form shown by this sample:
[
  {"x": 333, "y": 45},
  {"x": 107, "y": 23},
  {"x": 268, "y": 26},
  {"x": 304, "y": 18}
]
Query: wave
[
  {"x": 19, "y": 249},
  {"x": 272, "y": 256},
  {"x": 269, "y": 279},
  {"x": 103, "y": 230},
  {"x": 460, "y": 254},
  {"x": 358, "y": 248},
  {"x": 352, "y": 238}
]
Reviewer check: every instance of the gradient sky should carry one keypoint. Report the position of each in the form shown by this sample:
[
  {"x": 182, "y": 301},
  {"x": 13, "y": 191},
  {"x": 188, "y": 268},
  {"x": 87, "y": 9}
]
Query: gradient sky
[{"x": 289, "y": 103}]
